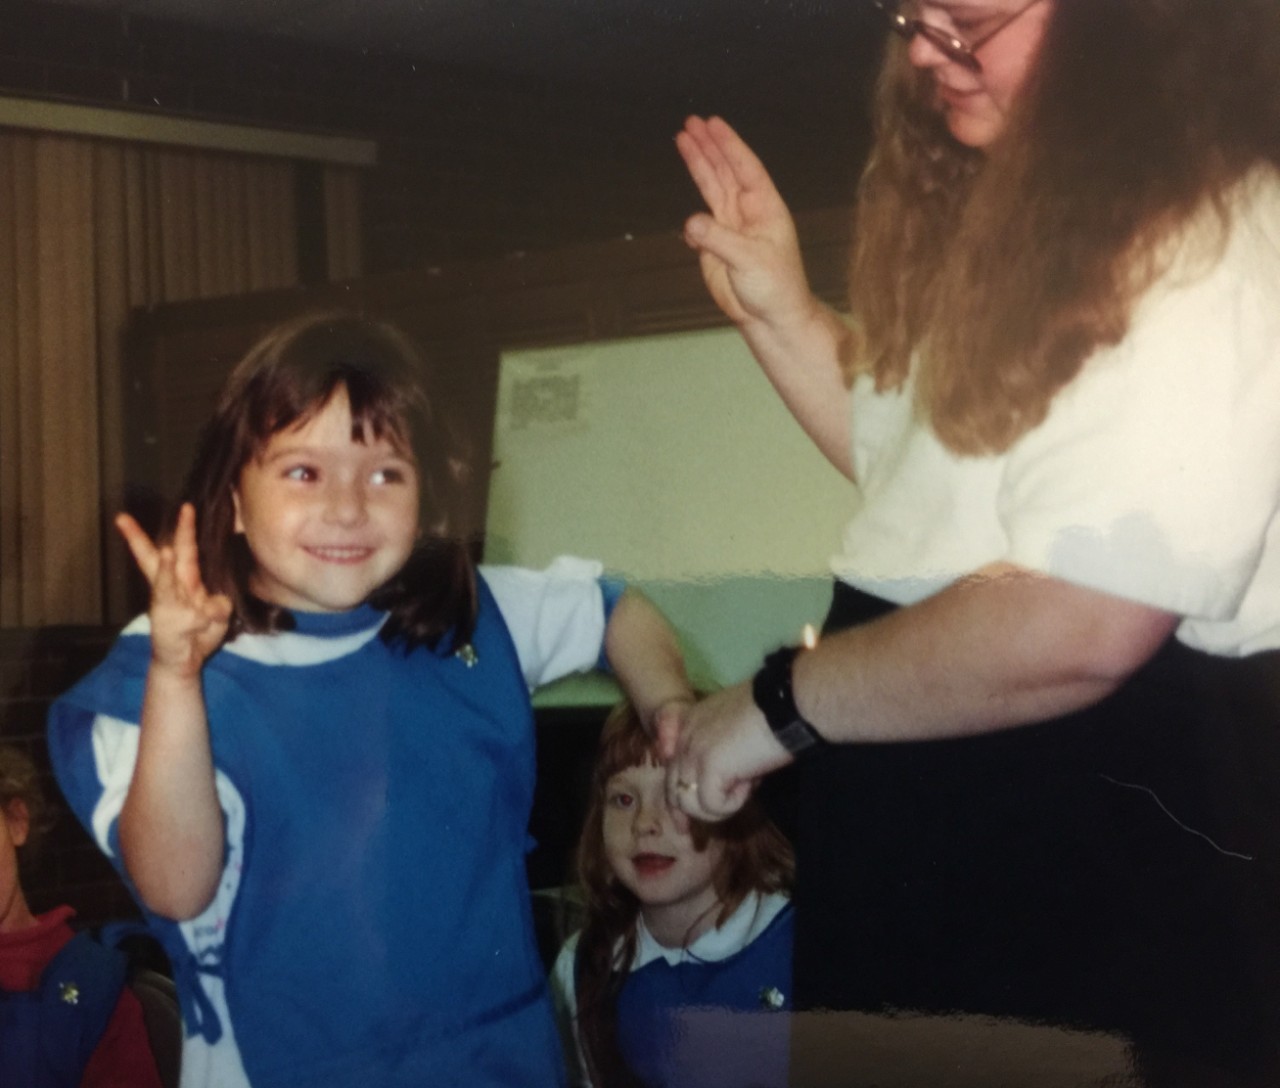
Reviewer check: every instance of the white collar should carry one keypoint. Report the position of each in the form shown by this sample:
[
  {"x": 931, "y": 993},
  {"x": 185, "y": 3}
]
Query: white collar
[
  {"x": 742, "y": 927},
  {"x": 285, "y": 647}
]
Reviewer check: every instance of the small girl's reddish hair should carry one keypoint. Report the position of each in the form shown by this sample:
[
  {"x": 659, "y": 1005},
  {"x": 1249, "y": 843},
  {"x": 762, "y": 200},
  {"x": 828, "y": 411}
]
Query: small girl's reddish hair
[{"x": 283, "y": 381}]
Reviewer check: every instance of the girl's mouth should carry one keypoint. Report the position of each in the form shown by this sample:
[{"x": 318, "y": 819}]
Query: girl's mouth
[
  {"x": 340, "y": 554},
  {"x": 652, "y": 864}
]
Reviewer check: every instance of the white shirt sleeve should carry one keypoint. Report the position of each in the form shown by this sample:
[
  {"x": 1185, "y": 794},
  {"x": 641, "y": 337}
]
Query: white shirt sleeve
[
  {"x": 556, "y": 616},
  {"x": 1156, "y": 475},
  {"x": 564, "y": 999}
]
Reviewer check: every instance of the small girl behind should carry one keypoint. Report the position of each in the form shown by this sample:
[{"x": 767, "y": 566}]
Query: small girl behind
[
  {"x": 313, "y": 760},
  {"x": 683, "y": 968}
]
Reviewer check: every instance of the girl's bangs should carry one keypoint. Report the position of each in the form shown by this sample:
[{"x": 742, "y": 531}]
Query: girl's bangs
[
  {"x": 623, "y": 744},
  {"x": 293, "y": 395}
]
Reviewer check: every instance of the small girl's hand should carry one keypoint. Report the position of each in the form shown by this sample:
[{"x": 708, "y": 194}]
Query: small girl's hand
[
  {"x": 187, "y": 622},
  {"x": 666, "y": 723}
]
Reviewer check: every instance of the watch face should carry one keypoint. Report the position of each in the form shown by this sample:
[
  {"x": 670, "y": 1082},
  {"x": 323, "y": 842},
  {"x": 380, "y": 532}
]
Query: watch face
[{"x": 797, "y": 736}]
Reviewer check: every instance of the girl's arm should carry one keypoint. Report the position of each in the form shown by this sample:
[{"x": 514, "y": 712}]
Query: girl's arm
[
  {"x": 1003, "y": 648},
  {"x": 645, "y": 657},
  {"x": 750, "y": 258},
  {"x": 171, "y": 830}
]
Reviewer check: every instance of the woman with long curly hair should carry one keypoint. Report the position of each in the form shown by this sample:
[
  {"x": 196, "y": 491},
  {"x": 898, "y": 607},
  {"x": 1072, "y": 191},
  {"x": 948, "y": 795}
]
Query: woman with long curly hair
[
  {"x": 1036, "y": 746},
  {"x": 684, "y": 959}
]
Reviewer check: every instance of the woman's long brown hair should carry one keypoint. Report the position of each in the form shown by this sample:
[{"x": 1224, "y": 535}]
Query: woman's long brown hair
[
  {"x": 283, "y": 381},
  {"x": 756, "y": 858},
  {"x": 1007, "y": 269}
]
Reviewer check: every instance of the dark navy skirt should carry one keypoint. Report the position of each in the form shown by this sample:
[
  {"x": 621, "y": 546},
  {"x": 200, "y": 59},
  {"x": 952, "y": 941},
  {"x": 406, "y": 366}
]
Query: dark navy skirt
[{"x": 1115, "y": 869}]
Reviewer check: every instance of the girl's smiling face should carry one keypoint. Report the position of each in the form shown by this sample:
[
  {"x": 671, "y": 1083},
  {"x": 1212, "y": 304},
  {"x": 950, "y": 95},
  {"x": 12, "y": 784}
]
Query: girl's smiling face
[
  {"x": 977, "y": 104},
  {"x": 327, "y": 518},
  {"x": 651, "y": 852}
]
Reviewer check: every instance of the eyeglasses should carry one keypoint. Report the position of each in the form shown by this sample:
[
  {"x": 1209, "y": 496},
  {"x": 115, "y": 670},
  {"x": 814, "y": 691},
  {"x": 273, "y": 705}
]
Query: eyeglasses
[{"x": 951, "y": 47}]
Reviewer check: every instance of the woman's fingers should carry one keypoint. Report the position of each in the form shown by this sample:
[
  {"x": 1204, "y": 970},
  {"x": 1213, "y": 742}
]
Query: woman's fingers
[
  {"x": 707, "y": 235},
  {"x": 705, "y": 796},
  {"x": 702, "y": 172},
  {"x": 734, "y": 157}
]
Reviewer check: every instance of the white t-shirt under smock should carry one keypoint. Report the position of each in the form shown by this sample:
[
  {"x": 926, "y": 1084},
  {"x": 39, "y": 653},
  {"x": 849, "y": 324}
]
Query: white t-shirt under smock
[{"x": 1155, "y": 477}]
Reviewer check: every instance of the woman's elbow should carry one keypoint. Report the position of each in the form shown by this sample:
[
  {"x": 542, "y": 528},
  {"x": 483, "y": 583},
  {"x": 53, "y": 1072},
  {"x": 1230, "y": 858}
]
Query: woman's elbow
[{"x": 1120, "y": 639}]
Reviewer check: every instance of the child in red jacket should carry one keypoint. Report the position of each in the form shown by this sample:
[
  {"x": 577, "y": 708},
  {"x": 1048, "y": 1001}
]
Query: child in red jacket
[{"x": 67, "y": 1020}]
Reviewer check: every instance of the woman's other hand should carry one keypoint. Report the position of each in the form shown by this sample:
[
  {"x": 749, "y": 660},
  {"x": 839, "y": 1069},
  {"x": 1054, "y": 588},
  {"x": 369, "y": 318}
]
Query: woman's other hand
[{"x": 722, "y": 747}]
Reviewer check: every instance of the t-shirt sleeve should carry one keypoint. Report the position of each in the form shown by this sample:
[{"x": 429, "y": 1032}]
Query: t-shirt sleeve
[
  {"x": 1157, "y": 472},
  {"x": 93, "y": 737},
  {"x": 557, "y": 617},
  {"x": 564, "y": 1000}
]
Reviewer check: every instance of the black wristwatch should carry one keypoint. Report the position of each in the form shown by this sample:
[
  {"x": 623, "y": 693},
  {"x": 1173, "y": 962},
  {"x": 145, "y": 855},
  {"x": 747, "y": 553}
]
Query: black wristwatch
[{"x": 771, "y": 689}]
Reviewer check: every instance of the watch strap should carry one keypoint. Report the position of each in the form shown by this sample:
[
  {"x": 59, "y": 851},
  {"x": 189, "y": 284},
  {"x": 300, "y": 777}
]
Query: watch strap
[{"x": 773, "y": 694}]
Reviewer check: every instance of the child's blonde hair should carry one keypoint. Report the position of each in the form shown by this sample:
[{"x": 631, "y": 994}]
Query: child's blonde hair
[{"x": 755, "y": 857}]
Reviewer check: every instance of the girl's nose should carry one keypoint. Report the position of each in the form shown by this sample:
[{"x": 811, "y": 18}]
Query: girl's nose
[
  {"x": 648, "y": 819},
  {"x": 344, "y": 503}
]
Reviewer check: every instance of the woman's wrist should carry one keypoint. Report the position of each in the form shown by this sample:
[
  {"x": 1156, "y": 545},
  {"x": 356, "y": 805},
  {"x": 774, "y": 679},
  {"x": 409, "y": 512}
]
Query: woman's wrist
[{"x": 772, "y": 690}]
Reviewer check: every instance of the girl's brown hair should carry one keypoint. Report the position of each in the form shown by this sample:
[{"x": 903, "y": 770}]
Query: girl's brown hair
[
  {"x": 20, "y": 781},
  {"x": 283, "y": 381},
  {"x": 1007, "y": 269},
  {"x": 756, "y": 858}
]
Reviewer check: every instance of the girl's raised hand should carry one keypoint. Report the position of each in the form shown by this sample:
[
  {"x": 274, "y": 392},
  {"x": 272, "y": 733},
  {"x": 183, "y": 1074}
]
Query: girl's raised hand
[
  {"x": 747, "y": 245},
  {"x": 187, "y": 621}
]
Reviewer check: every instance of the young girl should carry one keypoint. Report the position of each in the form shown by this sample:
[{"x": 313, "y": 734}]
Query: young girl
[
  {"x": 678, "y": 976},
  {"x": 98, "y": 1039},
  {"x": 313, "y": 760}
]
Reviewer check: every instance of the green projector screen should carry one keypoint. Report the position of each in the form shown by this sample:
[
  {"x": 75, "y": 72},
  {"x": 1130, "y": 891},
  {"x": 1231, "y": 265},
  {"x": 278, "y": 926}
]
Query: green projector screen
[{"x": 671, "y": 460}]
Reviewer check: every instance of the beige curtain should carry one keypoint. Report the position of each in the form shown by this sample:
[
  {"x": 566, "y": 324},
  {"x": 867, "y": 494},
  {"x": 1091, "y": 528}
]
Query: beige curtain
[{"x": 91, "y": 229}]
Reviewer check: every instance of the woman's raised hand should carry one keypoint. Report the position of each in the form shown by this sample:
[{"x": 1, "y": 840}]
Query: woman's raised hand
[
  {"x": 187, "y": 621},
  {"x": 747, "y": 245}
]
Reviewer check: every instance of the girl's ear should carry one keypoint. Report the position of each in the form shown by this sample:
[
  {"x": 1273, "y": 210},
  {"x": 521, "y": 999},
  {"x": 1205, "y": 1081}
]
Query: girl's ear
[
  {"x": 235, "y": 505},
  {"x": 18, "y": 817}
]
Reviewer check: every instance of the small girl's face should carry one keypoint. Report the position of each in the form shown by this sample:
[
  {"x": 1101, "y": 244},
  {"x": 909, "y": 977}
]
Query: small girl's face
[
  {"x": 327, "y": 519},
  {"x": 651, "y": 852}
]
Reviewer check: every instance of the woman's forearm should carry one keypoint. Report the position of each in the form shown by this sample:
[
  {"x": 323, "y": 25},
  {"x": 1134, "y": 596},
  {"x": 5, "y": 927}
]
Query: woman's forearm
[
  {"x": 802, "y": 359},
  {"x": 1003, "y": 648}
]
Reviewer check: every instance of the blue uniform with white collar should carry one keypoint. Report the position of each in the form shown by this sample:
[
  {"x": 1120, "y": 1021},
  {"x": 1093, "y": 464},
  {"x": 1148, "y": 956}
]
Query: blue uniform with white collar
[
  {"x": 373, "y": 922},
  {"x": 712, "y": 1015}
]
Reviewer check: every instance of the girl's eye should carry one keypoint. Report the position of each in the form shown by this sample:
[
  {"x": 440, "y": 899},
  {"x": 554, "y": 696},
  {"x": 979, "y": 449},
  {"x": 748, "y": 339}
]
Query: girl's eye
[
  {"x": 302, "y": 473},
  {"x": 390, "y": 475},
  {"x": 621, "y": 800}
]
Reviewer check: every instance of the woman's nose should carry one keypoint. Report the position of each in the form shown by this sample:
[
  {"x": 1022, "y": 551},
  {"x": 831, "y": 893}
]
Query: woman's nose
[{"x": 924, "y": 54}]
